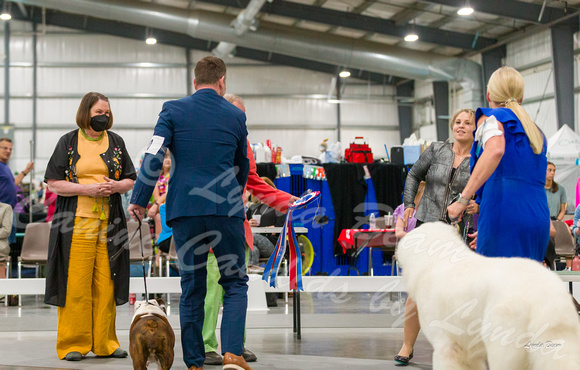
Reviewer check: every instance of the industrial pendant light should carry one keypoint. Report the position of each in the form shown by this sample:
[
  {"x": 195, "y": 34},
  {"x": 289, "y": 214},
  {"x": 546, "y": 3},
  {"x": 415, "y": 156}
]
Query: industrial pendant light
[
  {"x": 466, "y": 10},
  {"x": 412, "y": 36}
]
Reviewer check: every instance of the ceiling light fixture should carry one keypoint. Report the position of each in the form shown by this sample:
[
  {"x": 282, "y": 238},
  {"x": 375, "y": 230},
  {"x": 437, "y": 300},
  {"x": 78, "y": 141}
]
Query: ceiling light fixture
[
  {"x": 344, "y": 74},
  {"x": 412, "y": 36},
  {"x": 6, "y": 8},
  {"x": 149, "y": 37},
  {"x": 466, "y": 10}
]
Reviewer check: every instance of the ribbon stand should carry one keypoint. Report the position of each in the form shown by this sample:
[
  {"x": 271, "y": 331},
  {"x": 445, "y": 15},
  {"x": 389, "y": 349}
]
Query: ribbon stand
[{"x": 288, "y": 239}]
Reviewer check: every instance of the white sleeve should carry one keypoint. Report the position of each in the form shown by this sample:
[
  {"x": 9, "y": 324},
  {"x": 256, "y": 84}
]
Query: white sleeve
[{"x": 489, "y": 129}]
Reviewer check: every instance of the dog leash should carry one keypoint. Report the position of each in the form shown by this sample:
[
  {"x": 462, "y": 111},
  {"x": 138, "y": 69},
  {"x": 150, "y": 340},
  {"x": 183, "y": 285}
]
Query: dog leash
[
  {"x": 116, "y": 255},
  {"x": 466, "y": 231},
  {"x": 142, "y": 256},
  {"x": 125, "y": 246}
]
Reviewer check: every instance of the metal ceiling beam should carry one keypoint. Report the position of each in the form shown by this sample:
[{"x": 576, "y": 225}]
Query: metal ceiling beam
[
  {"x": 319, "y": 2},
  {"x": 357, "y": 10},
  {"x": 501, "y": 22},
  {"x": 113, "y": 28},
  {"x": 508, "y": 8},
  {"x": 563, "y": 64},
  {"x": 363, "y": 23},
  {"x": 524, "y": 32},
  {"x": 442, "y": 21},
  {"x": 316, "y": 3},
  {"x": 405, "y": 111},
  {"x": 406, "y": 15},
  {"x": 441, "y": 102},
  {"x": 22, "y": 9},
  {"x": 490, "y": 61},
  {"x": 363, "y": 6}
]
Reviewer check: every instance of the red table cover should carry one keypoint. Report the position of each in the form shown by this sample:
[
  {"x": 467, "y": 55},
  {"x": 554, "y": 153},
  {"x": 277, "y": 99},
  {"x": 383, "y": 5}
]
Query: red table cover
[{"x": 346, "y": 237}]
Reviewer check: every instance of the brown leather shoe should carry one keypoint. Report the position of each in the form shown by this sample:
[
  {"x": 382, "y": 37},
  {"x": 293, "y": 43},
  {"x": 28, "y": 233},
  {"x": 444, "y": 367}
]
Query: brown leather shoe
[
  {"x": 232, "y": 361},
  {"x": 195, "y": 368}
]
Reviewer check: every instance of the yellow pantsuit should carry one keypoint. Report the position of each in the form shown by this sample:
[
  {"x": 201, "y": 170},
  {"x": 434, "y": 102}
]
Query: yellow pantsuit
[{"x": 87, "y": 321}]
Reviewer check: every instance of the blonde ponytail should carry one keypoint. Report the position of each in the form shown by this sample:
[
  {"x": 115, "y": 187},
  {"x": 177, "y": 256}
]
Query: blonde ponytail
[
  {"x": 534, "y": 135},
  {"x": 506, "y": 88}
]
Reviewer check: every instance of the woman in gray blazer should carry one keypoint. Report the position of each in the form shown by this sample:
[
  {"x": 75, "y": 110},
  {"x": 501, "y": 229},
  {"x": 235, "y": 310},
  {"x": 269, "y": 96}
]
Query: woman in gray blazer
[{"x": 445, "y": 169}]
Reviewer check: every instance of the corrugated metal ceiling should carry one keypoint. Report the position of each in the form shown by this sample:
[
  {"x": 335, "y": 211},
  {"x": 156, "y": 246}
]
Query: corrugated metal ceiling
[{"x": 403, "y": 13}]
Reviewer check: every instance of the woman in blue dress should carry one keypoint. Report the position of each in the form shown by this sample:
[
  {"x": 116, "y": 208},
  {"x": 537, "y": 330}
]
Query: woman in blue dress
[{"x": 508, "y": 161}]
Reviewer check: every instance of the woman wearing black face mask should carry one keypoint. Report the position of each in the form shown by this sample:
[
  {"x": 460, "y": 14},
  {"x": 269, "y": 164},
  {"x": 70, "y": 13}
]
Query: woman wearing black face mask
[{"x": 87, "y": 270}]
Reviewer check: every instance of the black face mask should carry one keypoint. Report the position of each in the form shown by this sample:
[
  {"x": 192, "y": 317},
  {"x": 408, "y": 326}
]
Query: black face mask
[{"x": 99, "y": 123}]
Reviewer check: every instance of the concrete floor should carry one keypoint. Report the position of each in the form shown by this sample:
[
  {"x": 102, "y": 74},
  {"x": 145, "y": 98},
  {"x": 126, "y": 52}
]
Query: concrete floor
[{"x": 339, "y": 331}]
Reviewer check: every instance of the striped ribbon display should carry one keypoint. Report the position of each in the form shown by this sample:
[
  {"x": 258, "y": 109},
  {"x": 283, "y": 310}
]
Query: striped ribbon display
[{"x": 288, "y": 239}]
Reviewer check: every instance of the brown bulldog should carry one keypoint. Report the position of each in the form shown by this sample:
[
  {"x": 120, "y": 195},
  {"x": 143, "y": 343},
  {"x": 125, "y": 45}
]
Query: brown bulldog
[{"x": 151, "y": 338}]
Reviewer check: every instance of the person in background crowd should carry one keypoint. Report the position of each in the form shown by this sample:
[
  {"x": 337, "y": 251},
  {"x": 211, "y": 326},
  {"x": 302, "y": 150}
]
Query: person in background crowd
[
  {"x": 8, "y": 183},
  {"x": 164, "y": 238},
  {"x": 399, "y": 215},
  {"x": 50, "y": 202},
  {"x": 576, "y": 225},
  {"x": 160, "y": 194},
  {"x": 268, "y": 216},
  {"x": 5, "y": 153},
  {"x": 445, "y": 169},
  {"x": 557, "y": 201},
  {"x": 551, "y": 249},
  {"x": 87, "y": 271}
]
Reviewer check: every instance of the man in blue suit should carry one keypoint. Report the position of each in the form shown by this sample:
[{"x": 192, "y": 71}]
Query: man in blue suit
[{"x": 207, "y": 137}]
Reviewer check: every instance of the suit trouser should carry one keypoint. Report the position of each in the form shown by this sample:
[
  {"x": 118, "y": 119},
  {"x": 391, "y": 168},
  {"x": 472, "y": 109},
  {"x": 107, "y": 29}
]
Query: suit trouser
[
  {"x": 213, "y": 301},
  {"x": 193, "y": 238},
  {"x": 87, "y": 321}
]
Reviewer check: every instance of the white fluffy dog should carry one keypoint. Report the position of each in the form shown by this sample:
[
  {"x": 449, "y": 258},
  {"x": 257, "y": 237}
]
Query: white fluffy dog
[{"x": 508, "y": 313}]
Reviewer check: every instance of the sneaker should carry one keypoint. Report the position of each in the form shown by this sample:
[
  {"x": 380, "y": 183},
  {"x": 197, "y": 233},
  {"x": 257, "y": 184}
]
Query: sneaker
[
  {"x": 213, "y": 358},
  {"x": 249, "y": 356}
]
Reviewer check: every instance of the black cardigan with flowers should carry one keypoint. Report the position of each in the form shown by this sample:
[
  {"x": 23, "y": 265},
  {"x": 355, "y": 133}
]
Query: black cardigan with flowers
[{"x": 62, "y": 166}]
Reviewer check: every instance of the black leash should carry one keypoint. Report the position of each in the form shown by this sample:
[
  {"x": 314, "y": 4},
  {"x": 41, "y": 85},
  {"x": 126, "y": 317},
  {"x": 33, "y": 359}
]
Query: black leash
[
  {"x": 126, "y": 245},
  {"x": 116, "y": 255}
]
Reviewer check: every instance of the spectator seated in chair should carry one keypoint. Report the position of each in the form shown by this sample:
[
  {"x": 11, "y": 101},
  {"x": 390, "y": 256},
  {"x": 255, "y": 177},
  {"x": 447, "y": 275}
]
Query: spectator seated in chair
[
  {"x": 551, "y": 250},
  {"x": 260, "y": 215}
]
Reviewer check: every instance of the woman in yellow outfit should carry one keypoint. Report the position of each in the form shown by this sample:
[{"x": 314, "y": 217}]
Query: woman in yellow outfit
[{"x": 88, "y": 269}]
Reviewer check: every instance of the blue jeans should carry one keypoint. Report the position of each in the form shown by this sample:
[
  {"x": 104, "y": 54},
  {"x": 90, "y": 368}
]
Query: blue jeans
[{"x": 194, "y": 236}]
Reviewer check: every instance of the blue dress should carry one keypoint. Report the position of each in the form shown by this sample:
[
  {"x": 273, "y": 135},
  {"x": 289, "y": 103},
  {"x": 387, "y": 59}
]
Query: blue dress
[{"x": 514, "y": 217}]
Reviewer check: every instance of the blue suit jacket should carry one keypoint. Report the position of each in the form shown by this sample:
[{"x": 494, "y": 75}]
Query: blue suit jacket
[{"x": 206, "y": 136}]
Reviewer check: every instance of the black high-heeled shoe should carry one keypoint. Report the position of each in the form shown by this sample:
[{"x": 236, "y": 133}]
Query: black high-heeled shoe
[{"x": 403, "y": 360}]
